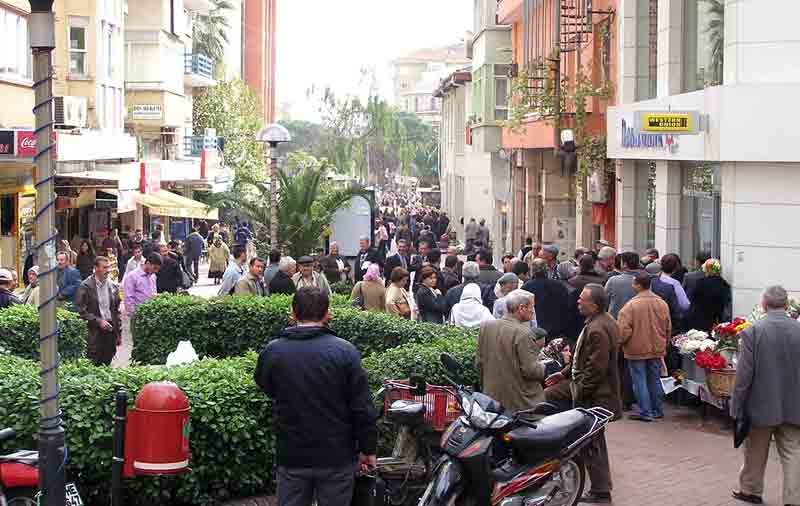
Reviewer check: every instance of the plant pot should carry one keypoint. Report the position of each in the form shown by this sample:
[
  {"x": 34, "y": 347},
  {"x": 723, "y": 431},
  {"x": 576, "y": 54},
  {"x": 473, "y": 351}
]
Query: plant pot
[{"x": 720, "y": 382}]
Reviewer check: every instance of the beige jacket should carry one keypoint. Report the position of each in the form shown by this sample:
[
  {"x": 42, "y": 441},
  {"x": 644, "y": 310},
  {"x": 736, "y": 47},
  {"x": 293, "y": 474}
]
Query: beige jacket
[
  {"x": 644, "y": 327},
  {"x": 396, "y": 297},
  {"x": 248, "y": 285},
  {"x": 374, "y": 294},
  {"x": 508, "y": 363}
]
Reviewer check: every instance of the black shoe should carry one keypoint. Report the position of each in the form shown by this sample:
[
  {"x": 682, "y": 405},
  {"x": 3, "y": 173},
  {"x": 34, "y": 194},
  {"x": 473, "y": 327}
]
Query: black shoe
[
  {"x": 640, "y": 418},
  {"x": 596, "y": 498},
  {"x": 752, "y": 499}
]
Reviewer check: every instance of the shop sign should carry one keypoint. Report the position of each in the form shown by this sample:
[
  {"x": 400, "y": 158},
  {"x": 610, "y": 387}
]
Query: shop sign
[
  {"x": 19, "y": 143},
  {"x": 26, "y": 144},
  {"x": 7, "y": 142},
  {"x": 147, "y": 111},
  {"x": 631, "y": 139},
  {"x": 668, "y": 122}
]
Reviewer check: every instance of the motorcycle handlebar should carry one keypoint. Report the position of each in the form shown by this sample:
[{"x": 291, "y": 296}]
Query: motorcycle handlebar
[{"x": 7, "y": 434}]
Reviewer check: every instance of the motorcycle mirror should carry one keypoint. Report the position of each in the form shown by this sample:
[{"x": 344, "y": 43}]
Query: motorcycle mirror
[
  {"x": 418, "y": 385},
  {"x": 449, "y": 363}
]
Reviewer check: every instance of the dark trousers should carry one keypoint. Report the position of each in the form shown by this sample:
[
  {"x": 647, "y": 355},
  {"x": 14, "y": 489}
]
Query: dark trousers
[
  {"x": 101, "y": 346},
  {"x": 329, "y": 486},
  {"x": 597, "y": 465},
  {"x": 193, "y": 266},
  {"x": 627, "y": 384}
]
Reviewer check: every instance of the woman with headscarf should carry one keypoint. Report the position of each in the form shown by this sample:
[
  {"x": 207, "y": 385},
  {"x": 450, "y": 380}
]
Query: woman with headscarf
[
  {"x": 712, "y": 295},
  {"x": 64, "y": 246},
  {"x": 470, "y": 312},
  {"x": 218, "y": 256},
  {"x": 85, "y": 262},
  {"x": 371, "y": 290},
  {"x": 30, "y": 294}
]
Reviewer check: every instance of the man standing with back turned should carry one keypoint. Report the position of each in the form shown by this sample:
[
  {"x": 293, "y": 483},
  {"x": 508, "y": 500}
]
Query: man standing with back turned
[
  {"x": 324, "y": 416},
  {"x": 766, "y": 392}
]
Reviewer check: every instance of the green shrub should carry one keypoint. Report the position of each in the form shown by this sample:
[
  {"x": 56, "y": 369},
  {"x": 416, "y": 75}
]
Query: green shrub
[
  {"x": 231, "y": 439},
  {"x": 19, "y": 332},
  {"x": 342, "y": 287},
  {"x": 423, "y": 359},
  {"x": 229, "y": 326}
]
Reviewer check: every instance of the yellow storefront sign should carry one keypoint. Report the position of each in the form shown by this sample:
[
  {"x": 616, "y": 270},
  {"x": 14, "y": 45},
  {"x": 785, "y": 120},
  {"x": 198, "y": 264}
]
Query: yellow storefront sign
[{"x": 667, "y": 122}]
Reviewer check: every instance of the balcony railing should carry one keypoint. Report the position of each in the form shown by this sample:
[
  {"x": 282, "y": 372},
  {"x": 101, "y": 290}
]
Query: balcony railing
[
  {"x": 193, "y": 145},
  {"x": 199, "y": 64}
]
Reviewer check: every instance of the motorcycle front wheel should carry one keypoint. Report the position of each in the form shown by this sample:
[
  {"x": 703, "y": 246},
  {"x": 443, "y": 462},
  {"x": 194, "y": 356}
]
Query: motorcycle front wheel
[{"x": 21, "y": 497}]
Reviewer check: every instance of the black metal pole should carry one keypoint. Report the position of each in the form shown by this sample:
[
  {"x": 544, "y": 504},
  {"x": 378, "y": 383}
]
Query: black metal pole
[{"x": 120, "y": 419}]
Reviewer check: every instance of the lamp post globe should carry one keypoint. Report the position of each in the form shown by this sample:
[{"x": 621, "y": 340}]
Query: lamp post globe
[{"x": 272, "y": 135}]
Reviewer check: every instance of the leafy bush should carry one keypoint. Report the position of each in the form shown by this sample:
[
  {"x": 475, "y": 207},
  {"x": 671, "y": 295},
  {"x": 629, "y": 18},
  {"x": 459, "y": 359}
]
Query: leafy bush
[
  {"x": 342, "y": 287},
  {"x": 231, "y": 440},
  {"x": 229, "y": 326},
  {"x": 19, "y": 332}
]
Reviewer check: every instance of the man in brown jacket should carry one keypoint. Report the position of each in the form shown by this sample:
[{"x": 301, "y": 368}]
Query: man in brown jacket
[
  {"x": 592, "y": 379},
  {"x": 97, "y": 302},
  {"x": 507, "y": 356},
  {"x": 645, "y": 327}
]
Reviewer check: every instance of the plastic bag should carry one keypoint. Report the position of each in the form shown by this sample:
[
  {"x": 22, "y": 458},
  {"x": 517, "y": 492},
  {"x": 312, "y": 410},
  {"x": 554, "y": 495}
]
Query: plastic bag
[{"x": 183, "y": 354}]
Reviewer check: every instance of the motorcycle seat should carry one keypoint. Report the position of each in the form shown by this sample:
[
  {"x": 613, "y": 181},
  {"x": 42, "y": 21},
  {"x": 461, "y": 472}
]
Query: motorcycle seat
[
  {"x": 406, "y": 412},
  {"x": 551, "y": 433}
]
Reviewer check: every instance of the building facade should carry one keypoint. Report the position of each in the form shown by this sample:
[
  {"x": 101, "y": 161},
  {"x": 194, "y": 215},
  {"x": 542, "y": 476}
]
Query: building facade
[
  {"x": 552, "y": 201},
  {"x": 260, "y": 19},
  {"x": 475, "y": 177},
  {"x": 704, "y": 136}
]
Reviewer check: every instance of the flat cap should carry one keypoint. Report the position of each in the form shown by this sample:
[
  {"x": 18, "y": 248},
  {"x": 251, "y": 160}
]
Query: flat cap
[{"x": 305, "y": 259}]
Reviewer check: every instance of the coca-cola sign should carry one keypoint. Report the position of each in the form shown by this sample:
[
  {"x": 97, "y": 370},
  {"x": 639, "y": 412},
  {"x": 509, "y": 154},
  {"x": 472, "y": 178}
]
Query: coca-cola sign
[
  {"x": 17, "y": 144},
  {"x": 26, "y": 144}
]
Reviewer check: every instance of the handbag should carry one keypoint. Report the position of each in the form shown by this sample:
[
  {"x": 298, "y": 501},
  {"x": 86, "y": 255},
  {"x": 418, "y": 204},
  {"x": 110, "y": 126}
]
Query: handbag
[{"x": 358, "y": 301}]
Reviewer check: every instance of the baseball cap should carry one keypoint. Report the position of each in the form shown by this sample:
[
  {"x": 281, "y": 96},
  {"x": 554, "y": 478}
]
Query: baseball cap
[
  {"x": 5, "y": 275},
  {"x": 551, "y": 248},
  {"x": 653, "y": 268}
]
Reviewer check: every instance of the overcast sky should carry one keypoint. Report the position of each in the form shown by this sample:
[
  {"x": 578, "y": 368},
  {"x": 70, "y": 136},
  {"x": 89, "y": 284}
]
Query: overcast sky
[{"x": 326, "y": 42}]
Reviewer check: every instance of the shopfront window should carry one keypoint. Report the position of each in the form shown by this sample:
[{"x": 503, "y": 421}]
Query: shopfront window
[
  {"x": 701, "y": 209},
  {"x": 704, "y": 43}
]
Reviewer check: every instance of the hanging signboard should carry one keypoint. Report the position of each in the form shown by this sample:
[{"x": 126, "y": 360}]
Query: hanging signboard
[{"x": 668, "y": 122}]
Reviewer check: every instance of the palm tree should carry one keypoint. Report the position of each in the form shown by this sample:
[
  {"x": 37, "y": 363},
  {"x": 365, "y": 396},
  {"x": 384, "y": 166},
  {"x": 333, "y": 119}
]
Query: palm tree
[
  {"x": 210, "y": 32},
  {"x": 716, "y": 37},
  {"x": 307, "y": 202}
]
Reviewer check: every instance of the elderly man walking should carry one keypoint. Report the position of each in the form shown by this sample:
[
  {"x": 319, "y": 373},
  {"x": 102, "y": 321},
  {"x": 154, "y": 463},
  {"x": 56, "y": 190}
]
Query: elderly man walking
[
  {"x": 592, "y": 379},
  {"x": 645, "y": 328},
  {"x": 766, "y": 392},
  {"x": 507, "y": 356}
]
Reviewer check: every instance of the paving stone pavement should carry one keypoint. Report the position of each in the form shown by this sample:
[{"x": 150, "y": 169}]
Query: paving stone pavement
[{"x": 681, "y": 460}]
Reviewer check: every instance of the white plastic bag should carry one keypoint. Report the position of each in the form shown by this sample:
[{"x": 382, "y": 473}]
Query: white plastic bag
[{"x": 184, "y": 354}]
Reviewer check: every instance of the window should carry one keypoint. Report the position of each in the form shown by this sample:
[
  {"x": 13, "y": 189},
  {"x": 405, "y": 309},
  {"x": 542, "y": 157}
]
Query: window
[
  {"x": 404, "y": 85},
  {"x": 501, "y": 98},
  {"x": 704, "y": 42},
  {"x": 646, "y": 49},
  {"x": 77, "y": 46},
  {"x": 16, "y": 56},
  {"x": 108, "y": 42}
]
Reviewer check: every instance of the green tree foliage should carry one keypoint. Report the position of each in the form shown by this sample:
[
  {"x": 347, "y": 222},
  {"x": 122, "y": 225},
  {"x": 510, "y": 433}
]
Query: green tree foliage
[
  {"x": 232, "y": 109},
  {"x": 210, "y": 33},
  {"x": 307, "y": 201}
]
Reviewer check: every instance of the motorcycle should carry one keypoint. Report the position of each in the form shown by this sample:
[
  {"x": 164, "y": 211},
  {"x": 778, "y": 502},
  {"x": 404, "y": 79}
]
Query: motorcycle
[
  {"x": 495, "y": 458},
  {"x": 19, "y": 478},
  {"x": 401, "y": 478}
]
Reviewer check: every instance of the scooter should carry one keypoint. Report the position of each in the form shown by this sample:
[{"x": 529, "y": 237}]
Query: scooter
[
  {"x": 19, "y": 477},
  {"x": 495, "y": 458}
]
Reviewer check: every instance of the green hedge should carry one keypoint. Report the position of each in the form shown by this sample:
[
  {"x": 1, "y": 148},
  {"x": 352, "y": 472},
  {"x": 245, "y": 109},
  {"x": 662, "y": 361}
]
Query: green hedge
[
  {"x": 229, "y": 326},
  {"x": 19, "y": 332},
  {"x": 231, "y": 439}
]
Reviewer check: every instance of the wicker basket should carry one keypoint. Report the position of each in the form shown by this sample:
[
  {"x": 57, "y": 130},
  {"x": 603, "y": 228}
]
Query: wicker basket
[{"x": 720, "y": 381}]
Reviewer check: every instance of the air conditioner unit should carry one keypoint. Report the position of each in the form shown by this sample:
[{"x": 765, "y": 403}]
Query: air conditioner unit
[{"x": 70, "y": 112}]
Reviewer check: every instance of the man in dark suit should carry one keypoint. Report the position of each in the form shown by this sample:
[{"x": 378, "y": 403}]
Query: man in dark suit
[
  {"x": 399, "y": 259},
  {"x": 366, "y": 255},
  {"x": 690, "y": 279},
  {"x": 591, "y": 378},
  {"x": 551, "y": 301},
  {"x": 766, "y": 392},
  {"x": 97, "y": 302}
]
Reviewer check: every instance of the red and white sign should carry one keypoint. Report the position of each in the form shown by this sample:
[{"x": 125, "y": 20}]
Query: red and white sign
[
  {"x": 26, "y": 144},
  {"x": 149, "y": 177}
]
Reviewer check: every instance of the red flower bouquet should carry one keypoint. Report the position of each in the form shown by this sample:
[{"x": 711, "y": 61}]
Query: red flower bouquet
[{"x": 710, "y": 360}]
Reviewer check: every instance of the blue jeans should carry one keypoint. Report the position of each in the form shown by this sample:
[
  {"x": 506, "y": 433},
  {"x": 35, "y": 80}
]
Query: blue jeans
[{"x": 646, "y": 376}]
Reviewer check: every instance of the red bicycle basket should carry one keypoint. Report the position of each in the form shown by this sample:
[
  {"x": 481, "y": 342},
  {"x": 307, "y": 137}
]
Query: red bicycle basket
[
  {"x": 441, "y": 405},
  {"x": 15, "y": 474}
]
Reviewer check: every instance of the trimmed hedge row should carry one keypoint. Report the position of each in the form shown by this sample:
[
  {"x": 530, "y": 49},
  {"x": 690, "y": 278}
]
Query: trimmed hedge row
[
  {"x": 231, "y": 440},
  {"x": 19, "y": 332},
  {"x": 229, "y": 326}
]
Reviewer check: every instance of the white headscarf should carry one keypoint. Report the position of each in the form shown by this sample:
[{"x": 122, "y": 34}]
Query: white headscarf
[{"x": 470, "y": 311}]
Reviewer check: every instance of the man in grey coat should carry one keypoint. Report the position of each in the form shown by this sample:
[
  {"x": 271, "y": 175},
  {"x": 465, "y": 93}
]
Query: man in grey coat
[{"x": 766, "y": 391}]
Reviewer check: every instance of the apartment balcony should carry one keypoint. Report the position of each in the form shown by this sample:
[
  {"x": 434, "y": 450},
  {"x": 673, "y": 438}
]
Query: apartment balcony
[
  {"x": 194, "y": 145},
  {"x": 198, "y": 71}
]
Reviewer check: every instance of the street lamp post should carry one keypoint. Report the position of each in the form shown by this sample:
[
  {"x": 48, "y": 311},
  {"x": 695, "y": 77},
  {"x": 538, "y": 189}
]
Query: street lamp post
[
  {"x": 272, "y": 135},
  {"x": 51, "y": 433}
]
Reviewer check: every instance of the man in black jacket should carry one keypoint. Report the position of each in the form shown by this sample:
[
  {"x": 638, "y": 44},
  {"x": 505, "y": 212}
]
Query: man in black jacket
[
  {"x": 169, "y": 278},
  {"x": 399, "y": 259},
  {"x": 552, "y": 301},
  {"x": 366, "y": 255},
  {"x": 324, "y": 416}
]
